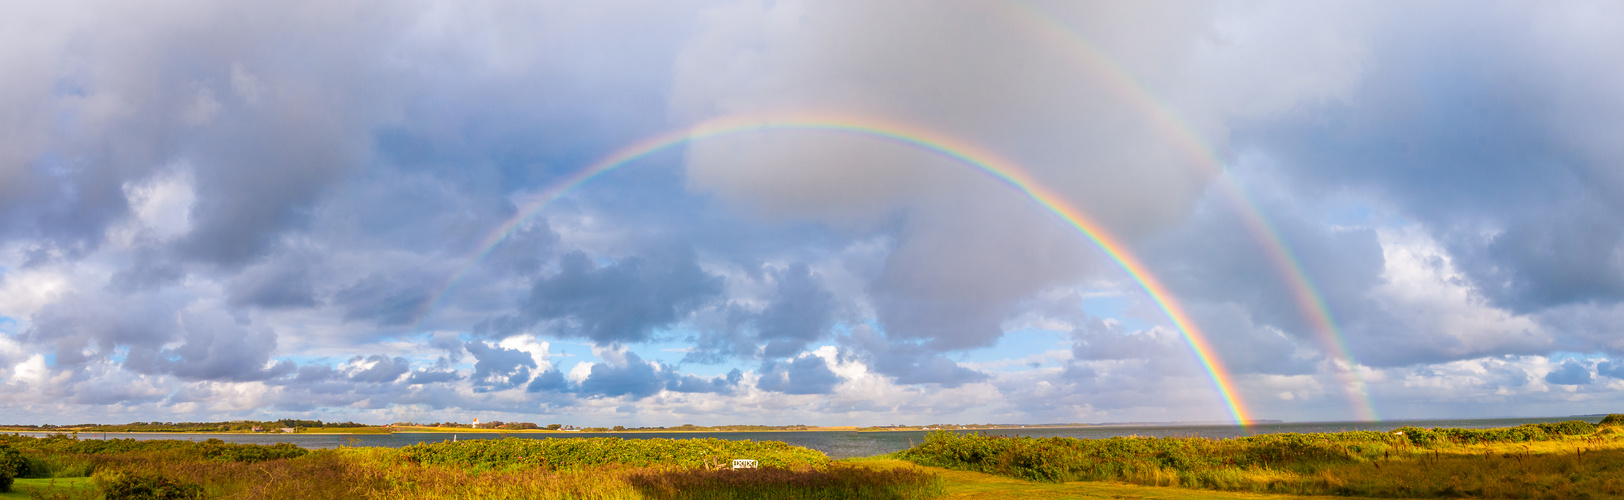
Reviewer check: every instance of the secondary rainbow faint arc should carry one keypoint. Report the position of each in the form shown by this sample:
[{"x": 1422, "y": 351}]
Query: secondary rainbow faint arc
[
  {"x": 1004, "y": 170},
  {"x": 1309, "y": 300}
]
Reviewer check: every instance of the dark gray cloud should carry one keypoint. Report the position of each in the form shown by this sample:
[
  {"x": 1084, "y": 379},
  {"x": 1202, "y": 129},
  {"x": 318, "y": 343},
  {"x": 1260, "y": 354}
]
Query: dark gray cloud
[
  {"x": 148, "y": 269},
  {"x": 313, "y": 373},
  {"x": 262, "y": 135},
  {"x": 386, "y": 300},
  {"x": 725, "y": 332},
  {"x": 958, "y": 272},
  {"x": 636, "y": 378},
  {"x": 1610, "y": 368},
  {"x": 1245, "y": 286},
  {"x": 908, "y": 362},
  {"x": 525, "y": 251},
  {"x": 723, "y": 384},
  {"x": 432, "y": 377},
  {"x": 215, "y": 347},
  {"x": 383, "y": 370},
  {"x": 498, "y": 368},
  {"x": 1507, "y": 375},
  {"x": 1488, "y": 138},
  {"x": 624, "y": 300},
  {"x": 1097, "y": 340},
  {"x": 803, "y": 375},
  {"x": 280, "y": 283},
  {"x": 83, "y": 327},
  {"x": 273, "y": 171},
  {"x": 548, "y": 381},
  {"x": 799, "y": 311},
  {"x": 62, "y": 206},
  {"x": 1246, "y": 347},
  {"x": 448, "y": 342},
  {"x": 1571, "y": 372}
]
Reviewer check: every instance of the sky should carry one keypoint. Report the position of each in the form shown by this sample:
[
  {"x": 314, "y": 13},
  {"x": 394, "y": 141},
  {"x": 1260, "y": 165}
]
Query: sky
[{"x": 832, "y": 212}]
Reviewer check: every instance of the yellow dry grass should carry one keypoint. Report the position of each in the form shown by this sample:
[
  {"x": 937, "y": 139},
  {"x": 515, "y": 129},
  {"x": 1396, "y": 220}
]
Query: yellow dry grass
[{"x": 964, "y": 485}]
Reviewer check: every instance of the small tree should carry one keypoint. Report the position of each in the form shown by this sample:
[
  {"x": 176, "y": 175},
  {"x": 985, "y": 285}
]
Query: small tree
[{"x": 11, "y": 466}]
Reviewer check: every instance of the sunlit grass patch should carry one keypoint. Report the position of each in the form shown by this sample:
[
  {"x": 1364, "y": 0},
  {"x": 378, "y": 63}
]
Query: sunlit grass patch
[
  {"x": 1558, "y": 460},
  {"x": 50, "y": 487}
]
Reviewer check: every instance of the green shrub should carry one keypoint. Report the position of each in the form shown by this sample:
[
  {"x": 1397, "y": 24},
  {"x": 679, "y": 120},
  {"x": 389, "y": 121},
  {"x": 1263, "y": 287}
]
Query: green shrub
[
  {"x": 1611, "y": 420},
  {"x": 60, "y": 465},
  {"x": 1522, "y": 433},
  {"x": 250, "y": 453},
  {"x": 211, "y": 448},
  {"x": 147, "y": 486},
  {"x": 1198, "y": 460},
  {"x": 12, "y": 465},
  {"x": 569, "y": 454},
  {"x": 12, "y": 462}
]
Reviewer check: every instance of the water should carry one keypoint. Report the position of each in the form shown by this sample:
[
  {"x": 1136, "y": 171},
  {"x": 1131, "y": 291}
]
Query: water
[{"x": 845, "y": 444}]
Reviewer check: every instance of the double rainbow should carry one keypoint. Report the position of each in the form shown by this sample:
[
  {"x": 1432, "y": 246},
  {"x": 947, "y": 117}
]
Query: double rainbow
[
  {"x": 1124, "y": 84},
  {"x": 960, "y": 151}
]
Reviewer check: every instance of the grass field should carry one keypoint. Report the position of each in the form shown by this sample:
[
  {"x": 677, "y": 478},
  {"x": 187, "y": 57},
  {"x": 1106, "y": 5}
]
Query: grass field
[
  {"x": 966, "y": 485},
  {"x": 1566, "y": 460},
  {"x": 24, "y": 487},
  {"x": 956, "y": 485}
]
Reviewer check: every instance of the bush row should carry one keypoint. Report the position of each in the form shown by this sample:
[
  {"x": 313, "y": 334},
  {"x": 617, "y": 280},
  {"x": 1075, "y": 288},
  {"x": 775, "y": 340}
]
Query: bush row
[
  {"x": 577, "y": 453},
  {"x": 1122, "y": 458},
  {"x": 214, "y": 449},
  {"x": 1522, "y": 433}
]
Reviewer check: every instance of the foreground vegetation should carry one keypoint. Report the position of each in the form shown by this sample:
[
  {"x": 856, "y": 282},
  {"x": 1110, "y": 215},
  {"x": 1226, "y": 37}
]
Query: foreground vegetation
[
  {"x": 1563, "y": 460},
  {"x": 575, "y": 468}
]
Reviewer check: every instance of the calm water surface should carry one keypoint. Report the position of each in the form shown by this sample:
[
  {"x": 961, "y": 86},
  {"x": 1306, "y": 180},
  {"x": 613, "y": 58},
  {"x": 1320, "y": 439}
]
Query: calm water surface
[{"x": 846, "y": 444}]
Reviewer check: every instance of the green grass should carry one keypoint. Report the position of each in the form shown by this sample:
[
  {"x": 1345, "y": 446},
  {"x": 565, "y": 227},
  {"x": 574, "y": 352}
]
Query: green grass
[
  {"x": 568, "y": 454},
  {"x": 26, "y": 486},
  {"x": 575, "y": 468},
  {"x": 1565, "y": 460},
  {"x": 1545, "y": 461}
]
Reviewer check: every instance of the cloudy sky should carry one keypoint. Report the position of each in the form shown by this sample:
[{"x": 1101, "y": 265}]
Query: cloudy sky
[{"x": 214, "y": 211}]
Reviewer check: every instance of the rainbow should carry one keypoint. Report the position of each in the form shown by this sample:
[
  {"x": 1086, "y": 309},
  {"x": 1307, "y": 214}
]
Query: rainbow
[
  {"x": 1123, "y": 83},
  {"x": 1003, "y": 170}
]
